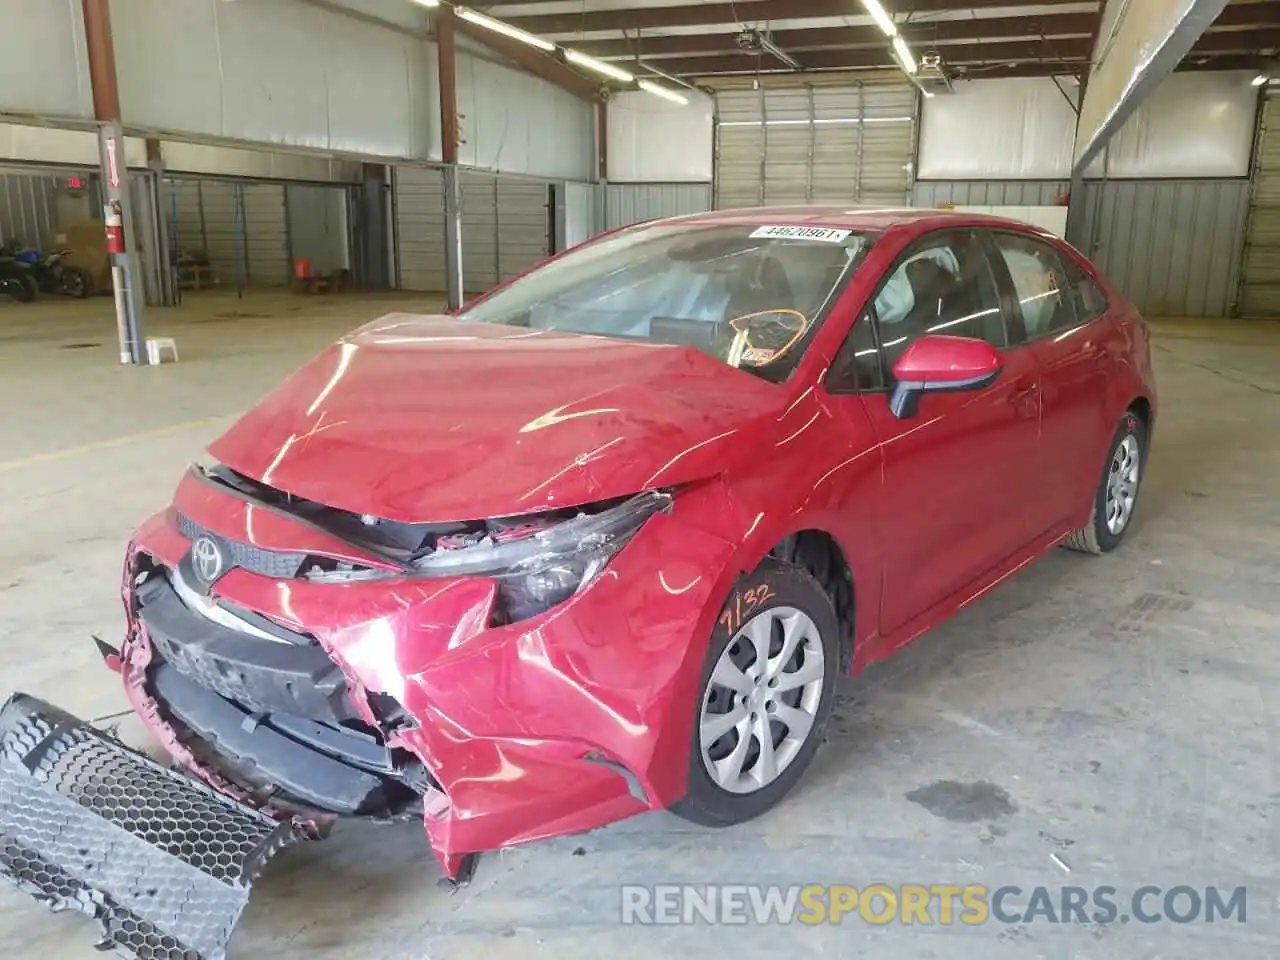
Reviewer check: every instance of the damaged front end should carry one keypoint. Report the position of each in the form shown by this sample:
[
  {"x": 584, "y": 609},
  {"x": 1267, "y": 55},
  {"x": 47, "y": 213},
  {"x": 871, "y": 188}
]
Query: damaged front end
[
  {"x": 503, "y": 680},
  {"x": 163, "y": 863}
]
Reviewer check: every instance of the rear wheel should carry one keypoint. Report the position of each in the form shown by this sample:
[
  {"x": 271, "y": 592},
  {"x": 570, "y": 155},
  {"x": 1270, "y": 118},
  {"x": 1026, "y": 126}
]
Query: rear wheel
[
  {"x": 1116, "y": 498},
  {"x": 766, "y": 691},
  {"x": 24, "y": 289}
]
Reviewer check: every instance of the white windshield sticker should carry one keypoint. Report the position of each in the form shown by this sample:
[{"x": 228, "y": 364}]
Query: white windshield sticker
[{"x": 821, "y": 234}]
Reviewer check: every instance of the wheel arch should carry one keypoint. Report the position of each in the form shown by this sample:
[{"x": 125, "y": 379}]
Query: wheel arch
[
  {"x": 1141, "y": 407},
  {"x": 808, "y": 541}
]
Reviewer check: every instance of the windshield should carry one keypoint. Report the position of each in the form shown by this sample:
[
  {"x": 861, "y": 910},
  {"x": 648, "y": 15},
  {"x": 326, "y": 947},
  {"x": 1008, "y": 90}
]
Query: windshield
[{"x": 747, "y": 294}]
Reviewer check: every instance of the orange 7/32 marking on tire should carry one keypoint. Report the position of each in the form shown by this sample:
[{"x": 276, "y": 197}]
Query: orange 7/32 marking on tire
[{"x": 745, "y": 602}]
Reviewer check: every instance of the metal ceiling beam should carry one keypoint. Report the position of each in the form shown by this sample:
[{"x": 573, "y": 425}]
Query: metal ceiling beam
[
  {"x": 741, "y": 11},
  {"x": 917, "y": 34},
  {"x": 534, "y": 61},
  {"x": 1077, "y": 50},
  {"x": 1145, "y": 43},
  {"x": 1239, "y": 41},
  {"x": 1257, "y": 13}
]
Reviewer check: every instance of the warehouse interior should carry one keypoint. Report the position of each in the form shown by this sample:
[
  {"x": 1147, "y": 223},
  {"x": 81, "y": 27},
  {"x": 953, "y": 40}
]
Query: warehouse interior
[{"x": 288, "y": 170}]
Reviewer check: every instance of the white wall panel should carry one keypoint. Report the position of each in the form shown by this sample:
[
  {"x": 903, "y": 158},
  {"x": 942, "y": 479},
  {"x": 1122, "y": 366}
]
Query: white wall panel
[
  {"x": 44, "y": 69},
  {"x": 75, "y": 148},
  {"x": 1193, "y": 125},
  {"x": 998, "y": 130},
  {"x": 653, "y": 141},
  {"x": 182, "y": 157},
  {"x": 281, "y": 72},
  {"x": 514, "y": 122}
]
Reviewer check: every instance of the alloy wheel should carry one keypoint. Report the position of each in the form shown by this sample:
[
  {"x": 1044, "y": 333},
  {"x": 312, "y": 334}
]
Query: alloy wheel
[
  {"x": 762, "y": 699},
  {"x": 1122, "y": 484}
]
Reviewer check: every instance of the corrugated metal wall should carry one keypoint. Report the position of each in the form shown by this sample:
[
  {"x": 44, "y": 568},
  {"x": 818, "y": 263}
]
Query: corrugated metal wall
[
  {"x": 627, "y": 203},
  {"x": 1260, "y": 285},
  {"x": 992, "y": 193},
  {"x": 1172, "y": 246},
  {"x": 28, "y": 208},
  {"x": 506, "y": 227}
]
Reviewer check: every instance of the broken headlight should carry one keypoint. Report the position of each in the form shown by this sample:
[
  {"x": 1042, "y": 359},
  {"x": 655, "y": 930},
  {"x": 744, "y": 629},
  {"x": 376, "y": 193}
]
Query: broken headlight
[{"x": 540, "y": 569}]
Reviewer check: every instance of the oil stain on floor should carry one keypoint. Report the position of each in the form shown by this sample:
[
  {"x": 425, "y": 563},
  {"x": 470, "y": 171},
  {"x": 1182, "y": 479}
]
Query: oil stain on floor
[{"x": 963, "y": 802}]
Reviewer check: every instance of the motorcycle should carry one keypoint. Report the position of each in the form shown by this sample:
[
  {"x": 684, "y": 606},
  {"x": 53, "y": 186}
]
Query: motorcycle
[
  {"x": 50, "y": 273},
  {"x": 16, "y": 279}
]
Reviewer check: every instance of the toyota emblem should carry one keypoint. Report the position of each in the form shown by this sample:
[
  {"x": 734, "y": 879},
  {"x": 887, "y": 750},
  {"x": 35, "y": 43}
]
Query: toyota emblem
[{"x": 206, "y": 559}]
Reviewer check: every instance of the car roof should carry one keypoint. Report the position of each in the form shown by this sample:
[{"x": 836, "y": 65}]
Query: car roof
[{"x": 849, "y": 217}]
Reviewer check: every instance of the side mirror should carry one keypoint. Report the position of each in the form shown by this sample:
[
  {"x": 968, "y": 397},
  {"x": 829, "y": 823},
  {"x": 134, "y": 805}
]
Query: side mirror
[{"x": 936, "y": 362}]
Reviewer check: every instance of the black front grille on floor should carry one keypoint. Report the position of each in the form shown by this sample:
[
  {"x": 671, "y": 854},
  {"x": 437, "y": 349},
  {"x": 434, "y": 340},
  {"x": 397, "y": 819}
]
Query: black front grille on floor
[{"x": 270, "y": 563}]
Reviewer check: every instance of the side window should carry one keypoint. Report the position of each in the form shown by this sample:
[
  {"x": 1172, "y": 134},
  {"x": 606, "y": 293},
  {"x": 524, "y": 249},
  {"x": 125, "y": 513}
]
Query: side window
[
  {"x": 1039, "y": 283},
  {"x": 1089, "y": 301},
  {"x": 857, "y": 367},
  {"x": 944, "y": 285}
]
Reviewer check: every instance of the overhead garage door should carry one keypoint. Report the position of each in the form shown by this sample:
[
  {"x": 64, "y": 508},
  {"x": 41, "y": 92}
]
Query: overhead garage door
[
  {"x": 848, "y": 143},
  {"x": 242, "y": 228},
  {"x": 524, "y": 225},
  {"x": 505, "y": 228},
  {"x": 419, "y": 206},
  {"x": 266, "y": 224},
  {"x": 1260, "y": 295}
]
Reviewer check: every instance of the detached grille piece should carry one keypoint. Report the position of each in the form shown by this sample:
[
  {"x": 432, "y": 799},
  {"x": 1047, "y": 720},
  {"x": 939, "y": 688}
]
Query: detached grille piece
[
  {"x": 269, "y": 563},
  {"x": 162, "y": 862}
]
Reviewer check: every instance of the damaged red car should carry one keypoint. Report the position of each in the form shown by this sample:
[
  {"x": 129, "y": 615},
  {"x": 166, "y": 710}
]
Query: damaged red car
[{"x": 600, "y": 543}]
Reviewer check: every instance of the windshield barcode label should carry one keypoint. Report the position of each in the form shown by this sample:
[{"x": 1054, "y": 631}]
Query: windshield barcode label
[{"x": 821, "y": 234}]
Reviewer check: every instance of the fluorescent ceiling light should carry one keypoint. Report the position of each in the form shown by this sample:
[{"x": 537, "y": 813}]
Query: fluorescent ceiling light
[
  {"x": 648, "y": 86},
  {"x": 427, "y": 3},
  {"x": 1260, "y": 80},
  {"x": 881, "y": 17},
  {"x": 599, "y": 66},
  {"x": 904, "y": 54},
  {"x": 506, "y": 29}
]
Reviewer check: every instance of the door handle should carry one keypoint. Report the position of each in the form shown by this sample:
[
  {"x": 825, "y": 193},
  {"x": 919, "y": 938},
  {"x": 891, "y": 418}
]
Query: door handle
[{"x": 1024, "y": 388}]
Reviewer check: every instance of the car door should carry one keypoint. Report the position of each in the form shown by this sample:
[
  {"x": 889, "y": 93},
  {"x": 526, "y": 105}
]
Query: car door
[
  {"x": 958, "y": 473},
  {"x": 1064, "y": 322}
]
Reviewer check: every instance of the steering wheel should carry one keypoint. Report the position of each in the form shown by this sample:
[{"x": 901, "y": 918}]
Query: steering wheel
[{"x": 743, "y": 349}]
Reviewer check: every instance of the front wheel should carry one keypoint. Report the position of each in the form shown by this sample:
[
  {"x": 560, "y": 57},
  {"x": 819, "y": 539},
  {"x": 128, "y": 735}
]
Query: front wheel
[
  {"x": 1116, "y": 497},
  {"x": 75, "y": 282},
  {"x": 766, "y": 690}
]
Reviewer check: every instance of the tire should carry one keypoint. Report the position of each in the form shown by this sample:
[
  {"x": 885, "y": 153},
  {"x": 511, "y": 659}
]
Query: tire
[
  {"x": 75, "y": 282},
  {"x": 1100, "y": 536},
  {"x": 26, "y": 290},
  {"x": 772, "y": 595}
]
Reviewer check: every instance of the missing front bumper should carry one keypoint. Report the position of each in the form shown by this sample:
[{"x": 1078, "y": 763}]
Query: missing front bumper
[{"x": 162, "y": 862}]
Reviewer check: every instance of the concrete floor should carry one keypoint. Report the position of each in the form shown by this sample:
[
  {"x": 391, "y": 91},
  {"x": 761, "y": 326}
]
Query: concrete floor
[{"x": 1128, "y": 705}]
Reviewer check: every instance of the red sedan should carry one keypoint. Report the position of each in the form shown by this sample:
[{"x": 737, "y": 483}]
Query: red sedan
[{"x": 602, "y": 542}]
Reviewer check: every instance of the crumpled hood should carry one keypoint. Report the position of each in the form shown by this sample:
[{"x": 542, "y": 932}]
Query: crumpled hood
[{"x": 427, "y": 419}]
